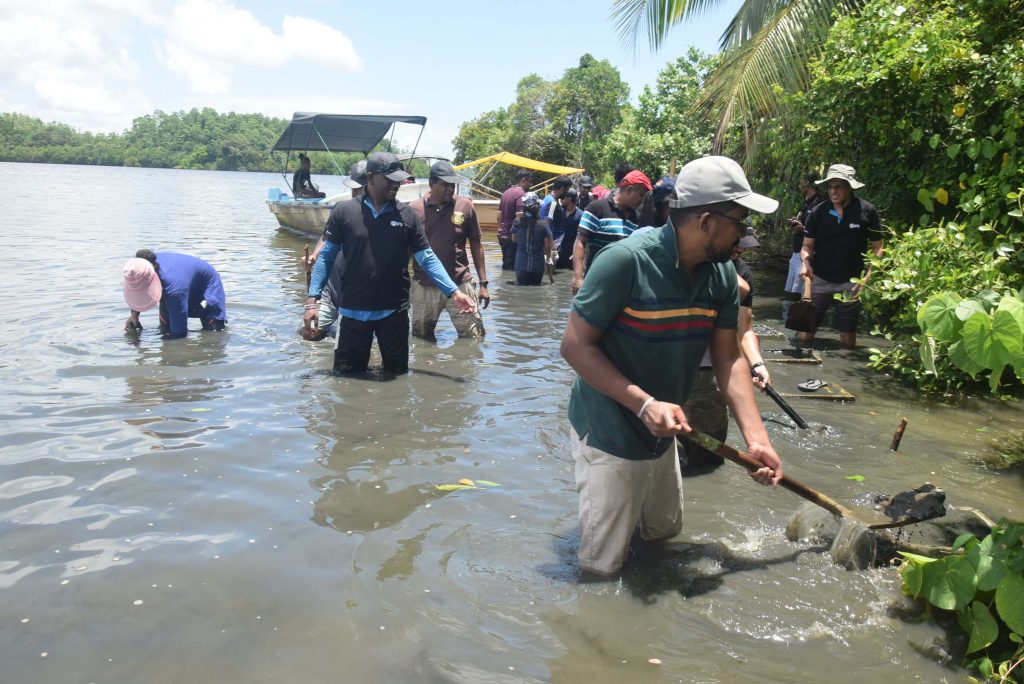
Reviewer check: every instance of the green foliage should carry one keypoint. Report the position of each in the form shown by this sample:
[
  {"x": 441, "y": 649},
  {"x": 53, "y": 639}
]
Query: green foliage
[
  {"x": 948, "y": 297},
  {"x": 561, "y": 122},
  {"x": 982, "y": 582},
  {"x": 924, "y": 94},
  {"x": 660, "y": 134},
  {"x": 197, "y": 139}
]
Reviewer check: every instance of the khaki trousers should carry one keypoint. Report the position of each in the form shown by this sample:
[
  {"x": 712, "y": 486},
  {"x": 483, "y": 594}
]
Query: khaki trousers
[
  {"x": 427, "y": 303},
  {"x": 617, "y": 495}
]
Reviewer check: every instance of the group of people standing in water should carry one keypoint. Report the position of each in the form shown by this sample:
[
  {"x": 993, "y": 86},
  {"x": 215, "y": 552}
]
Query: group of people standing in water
[{"x": 659, "y": 317}]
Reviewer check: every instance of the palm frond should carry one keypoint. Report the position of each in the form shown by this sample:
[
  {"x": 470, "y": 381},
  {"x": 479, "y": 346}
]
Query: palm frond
[
  {"x": 778, "y": 54},
  {"x": 749, "y": 19},
  {"x": 653, "y": 18}
]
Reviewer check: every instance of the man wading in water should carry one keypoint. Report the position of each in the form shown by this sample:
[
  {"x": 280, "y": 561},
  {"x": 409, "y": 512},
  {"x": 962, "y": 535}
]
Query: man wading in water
[
  {"x": 636, "y": 334},
  {"x": 376, "y": 234}
]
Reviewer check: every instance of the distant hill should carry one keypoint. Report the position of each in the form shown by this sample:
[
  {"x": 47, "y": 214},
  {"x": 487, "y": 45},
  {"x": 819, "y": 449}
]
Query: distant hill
[{"x": 196, "y": 139}]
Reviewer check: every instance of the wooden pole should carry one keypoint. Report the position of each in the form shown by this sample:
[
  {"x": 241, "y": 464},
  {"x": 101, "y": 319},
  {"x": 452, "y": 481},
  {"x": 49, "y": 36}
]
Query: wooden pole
[
  {"x": 305, "y": 265},
  {"x": 898, "y": 435}
]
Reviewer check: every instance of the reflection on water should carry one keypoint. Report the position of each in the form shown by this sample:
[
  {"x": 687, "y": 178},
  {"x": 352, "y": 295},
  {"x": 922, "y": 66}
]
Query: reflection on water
[{"x": 226, "y": 509}]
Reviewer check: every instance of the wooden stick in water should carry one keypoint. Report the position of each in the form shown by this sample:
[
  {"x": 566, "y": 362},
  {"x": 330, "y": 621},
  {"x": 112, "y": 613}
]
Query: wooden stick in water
[
  {"x": 898, "y": 435},
  {"x": 305, "y": 264}
]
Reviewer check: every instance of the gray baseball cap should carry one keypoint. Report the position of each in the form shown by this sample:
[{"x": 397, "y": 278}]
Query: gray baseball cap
[
  {"x": 713, "y": 179},
  {"x": 356, "y": 175}
]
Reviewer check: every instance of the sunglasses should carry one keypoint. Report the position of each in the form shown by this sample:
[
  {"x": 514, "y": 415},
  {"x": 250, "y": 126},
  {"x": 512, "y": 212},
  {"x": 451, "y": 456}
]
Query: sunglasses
[{"x": 391, "y": 168}]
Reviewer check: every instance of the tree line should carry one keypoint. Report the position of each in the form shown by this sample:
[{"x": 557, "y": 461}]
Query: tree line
[{"x": 196, "y": 139}]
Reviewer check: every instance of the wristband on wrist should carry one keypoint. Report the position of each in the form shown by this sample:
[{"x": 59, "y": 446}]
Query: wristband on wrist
[
  {"x": 485, "y": 283},
  {"x": 755, "y": 365},
  {"x": 640, "y": 413}
]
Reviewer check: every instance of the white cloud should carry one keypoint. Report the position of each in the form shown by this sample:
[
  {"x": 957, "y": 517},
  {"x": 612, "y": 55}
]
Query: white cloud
[
  {"x": 90, "y": 63},
  {"x": 65, "y": 60},
  {"x": 207, "y": 39}
]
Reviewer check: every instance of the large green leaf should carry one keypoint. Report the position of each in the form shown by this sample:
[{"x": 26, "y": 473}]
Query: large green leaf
[
  {"x": 1008, "y": 331},
  {"x": 968, "y": 308},
  {"x": 950, "y": 583},
  {"x": 980, "y": 625},
  {"x": 1010, "y": 602},
  {"x": 938, "y": 318},
  {"x": 959, "y": 357},
  {"x": 912, "y": 573},
  {"x": 992, "y": 564},
  {"x": 977, "y": 339}
]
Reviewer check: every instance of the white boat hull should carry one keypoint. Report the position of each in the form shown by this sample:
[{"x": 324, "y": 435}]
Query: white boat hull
[{"x": 308, "y": 217}]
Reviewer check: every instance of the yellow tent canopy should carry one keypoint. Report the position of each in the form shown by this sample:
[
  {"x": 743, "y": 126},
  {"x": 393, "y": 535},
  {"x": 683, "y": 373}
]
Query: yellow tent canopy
[{"x": 524, "y": 162}]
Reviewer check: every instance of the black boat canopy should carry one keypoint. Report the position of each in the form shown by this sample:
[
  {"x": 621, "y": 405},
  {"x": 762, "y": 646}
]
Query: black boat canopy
[{"x": 339, "y": 132}]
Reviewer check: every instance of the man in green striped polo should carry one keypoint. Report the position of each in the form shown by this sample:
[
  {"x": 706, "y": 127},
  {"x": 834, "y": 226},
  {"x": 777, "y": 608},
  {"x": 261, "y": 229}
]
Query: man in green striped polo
[{"x": 638, "y": 328}]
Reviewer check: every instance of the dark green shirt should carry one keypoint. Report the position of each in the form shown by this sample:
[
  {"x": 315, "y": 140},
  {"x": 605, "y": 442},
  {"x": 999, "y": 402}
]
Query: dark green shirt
[{"x": 657, "y": 321}]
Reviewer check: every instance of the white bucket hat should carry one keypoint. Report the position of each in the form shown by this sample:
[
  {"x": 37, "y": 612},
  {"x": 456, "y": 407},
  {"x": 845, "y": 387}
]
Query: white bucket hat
[
  {"x": 712, "y": 179},
  {"x": 842, "y": 172}
]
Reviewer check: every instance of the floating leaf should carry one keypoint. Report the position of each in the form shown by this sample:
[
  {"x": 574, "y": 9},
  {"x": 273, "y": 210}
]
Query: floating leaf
[
  {"x": 452, "y": 487},
  {"x": 467, "y": 482},
  {"x": 487, "y": 483},
  {"x": 201, "y": 410},
  {"x": 855, "y": 478}
]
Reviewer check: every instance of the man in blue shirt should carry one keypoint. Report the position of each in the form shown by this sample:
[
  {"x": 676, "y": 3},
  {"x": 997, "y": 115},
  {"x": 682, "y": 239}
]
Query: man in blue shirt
[{"x": 376, "y": 234}]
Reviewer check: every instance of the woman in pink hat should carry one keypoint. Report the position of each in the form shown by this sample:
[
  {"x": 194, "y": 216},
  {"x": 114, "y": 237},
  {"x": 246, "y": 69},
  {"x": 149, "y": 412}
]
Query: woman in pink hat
[{"x": 183, "y": 286}]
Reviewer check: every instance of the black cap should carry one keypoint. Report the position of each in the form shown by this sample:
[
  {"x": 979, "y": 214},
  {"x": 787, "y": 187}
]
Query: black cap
[
  {"x": 387, "y": 164},
  {"x": 586, "y": 181},
  {"x": 524, "y": 173},
  {"x": 443, "y": 171}
]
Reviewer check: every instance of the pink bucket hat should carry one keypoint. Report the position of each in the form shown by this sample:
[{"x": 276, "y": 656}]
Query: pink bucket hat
[{"x": 142, "y": 287}]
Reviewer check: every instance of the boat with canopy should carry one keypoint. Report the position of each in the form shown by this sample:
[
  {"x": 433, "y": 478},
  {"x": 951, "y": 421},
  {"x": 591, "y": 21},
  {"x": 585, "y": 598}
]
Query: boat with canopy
[
  {"x": 318, "y": 132},
  {"x": 486, "y": 198}
]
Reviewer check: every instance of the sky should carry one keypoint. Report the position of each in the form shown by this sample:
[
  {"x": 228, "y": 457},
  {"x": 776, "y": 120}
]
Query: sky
[{"x": 98, "y": 64}]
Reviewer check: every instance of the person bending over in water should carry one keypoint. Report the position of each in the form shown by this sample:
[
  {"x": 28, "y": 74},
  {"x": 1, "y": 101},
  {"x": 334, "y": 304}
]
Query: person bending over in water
[{"x": 183, "y": 286}]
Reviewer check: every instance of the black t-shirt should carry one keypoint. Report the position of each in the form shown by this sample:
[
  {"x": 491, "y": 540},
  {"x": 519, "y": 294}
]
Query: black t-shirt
[
  {"x": 743, "y": 271},
  {"x": 801, "y": 216},
  {"x": 839, "y": 245},
  {"x": 376, "y": 250}
]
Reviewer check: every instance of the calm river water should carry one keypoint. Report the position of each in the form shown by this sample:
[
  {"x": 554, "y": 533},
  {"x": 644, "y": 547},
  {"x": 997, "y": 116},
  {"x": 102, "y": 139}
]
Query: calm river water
[{"x": 219, "y": 508}]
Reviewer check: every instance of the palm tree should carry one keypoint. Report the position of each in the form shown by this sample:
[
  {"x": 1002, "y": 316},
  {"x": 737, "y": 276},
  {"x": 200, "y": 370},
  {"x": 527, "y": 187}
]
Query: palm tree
[{"x": 766, "y": 49}]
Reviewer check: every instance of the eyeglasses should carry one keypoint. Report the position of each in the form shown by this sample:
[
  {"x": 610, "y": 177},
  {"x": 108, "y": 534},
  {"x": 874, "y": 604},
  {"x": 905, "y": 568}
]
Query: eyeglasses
[{"x": 742, "y": 224}]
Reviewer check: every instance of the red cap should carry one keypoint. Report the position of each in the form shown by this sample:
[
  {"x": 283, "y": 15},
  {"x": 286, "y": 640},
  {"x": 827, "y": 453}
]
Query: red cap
[{"x": 635, "y": 178}]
